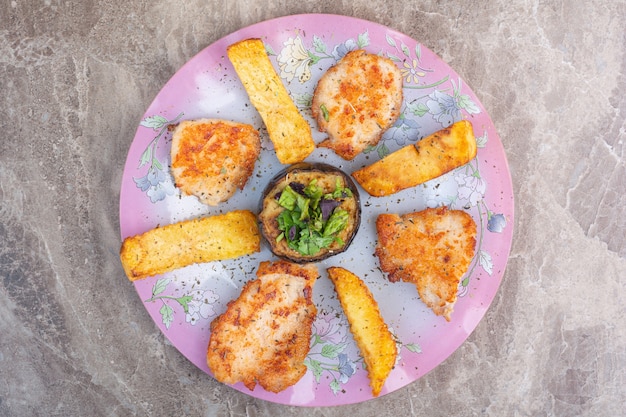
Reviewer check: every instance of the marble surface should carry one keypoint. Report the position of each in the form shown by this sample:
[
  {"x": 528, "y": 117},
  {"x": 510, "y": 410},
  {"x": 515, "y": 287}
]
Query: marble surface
[{"x": 76, "y": 78}]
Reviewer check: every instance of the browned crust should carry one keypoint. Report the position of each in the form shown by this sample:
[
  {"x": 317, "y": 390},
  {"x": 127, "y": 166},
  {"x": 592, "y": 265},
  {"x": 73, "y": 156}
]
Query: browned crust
[
  {"x": 412, "y": 165},
  {"x": 287, "y": 128},
  {"x": 264, "y": 335},
  {"x": 200, "y": 240},
  {"x": 212, "y": 158},
  {"x": 371, "y": 334},
  {"x": 432, "y": 249},
  {"x": 362, "y": 96}
]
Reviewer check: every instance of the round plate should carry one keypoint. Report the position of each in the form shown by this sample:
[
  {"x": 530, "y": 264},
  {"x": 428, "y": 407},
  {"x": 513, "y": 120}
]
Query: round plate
[{"x": 184, "y": 302}]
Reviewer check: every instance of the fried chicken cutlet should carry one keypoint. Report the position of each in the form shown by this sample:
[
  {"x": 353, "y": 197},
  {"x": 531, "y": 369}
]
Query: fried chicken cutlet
[
  {"x": 432, "y": 248},
  {"x": 212, "y": 158},
  {"x": 263, "y": 336},
  {"x": 356, "y": 101}
]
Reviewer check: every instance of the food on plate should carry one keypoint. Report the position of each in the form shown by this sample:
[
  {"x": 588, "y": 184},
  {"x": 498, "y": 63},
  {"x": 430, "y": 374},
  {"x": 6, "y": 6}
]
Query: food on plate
[
  {"x": 263, "y": 336},
  {"x": 212, "y": 158},
  {"x": 177, "y": 245},
  {"x": 412, "y": 165},
  {"x": 432, "y": 249},
  {"x": 288, "y": 130},
  {"x": 373, "y": 338},
  {"x": 356, "y": 101},
  {"x": 310, "y": 212}
]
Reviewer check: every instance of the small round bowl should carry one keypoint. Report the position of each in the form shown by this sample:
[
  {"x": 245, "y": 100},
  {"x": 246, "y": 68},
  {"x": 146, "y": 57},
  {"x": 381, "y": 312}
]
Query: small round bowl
[{"x": 303, "y": 173}]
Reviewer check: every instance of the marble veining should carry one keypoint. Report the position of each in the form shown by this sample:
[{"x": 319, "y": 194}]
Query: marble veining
[{"x": 76, "y": 79}]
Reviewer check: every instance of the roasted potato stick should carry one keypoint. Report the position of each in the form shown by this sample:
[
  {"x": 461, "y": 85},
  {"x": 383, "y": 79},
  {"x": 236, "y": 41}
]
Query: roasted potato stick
[
  {"x": 412, "y": 165},
  {"x": 287, "y": 129},
  {"x": 180, "y": 244},
  {"x": 370, "y": 332}
]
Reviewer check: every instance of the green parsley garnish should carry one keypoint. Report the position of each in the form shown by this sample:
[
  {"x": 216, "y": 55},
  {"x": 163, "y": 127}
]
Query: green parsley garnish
[
  {"x": 311, "y": 220},
  {"x": 324, "y": 112}
]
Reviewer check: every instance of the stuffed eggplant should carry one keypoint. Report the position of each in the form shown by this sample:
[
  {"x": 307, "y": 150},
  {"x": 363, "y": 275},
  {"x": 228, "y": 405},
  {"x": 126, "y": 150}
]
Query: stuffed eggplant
[{"x": 309, "y": 212}]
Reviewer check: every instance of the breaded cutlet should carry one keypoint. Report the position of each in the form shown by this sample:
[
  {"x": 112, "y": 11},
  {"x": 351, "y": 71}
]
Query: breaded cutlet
[
  {"x": 212, "y": 158},
  {"x": 263, "y": 336},
  {"x": 432, "y": 248},
  {"x": 356, "y": 101}
]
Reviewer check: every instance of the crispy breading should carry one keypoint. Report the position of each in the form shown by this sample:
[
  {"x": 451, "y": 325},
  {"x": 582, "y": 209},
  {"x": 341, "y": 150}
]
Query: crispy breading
[
  {"x": 373, "y": 338},
  {"x": 412, "y": 165},
  {"x": 432, "y": 248},
  {"x": 356, "y": 101},
  {"x": 288, "y": 130},
  {"x": 212, "y": 158},
  {"x": 184, "y": 243},
  {"x": 264, "y": 335}
]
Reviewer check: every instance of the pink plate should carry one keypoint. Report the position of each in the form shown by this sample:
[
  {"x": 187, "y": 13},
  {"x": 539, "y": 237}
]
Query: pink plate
[{"x": 184, "y": 302}]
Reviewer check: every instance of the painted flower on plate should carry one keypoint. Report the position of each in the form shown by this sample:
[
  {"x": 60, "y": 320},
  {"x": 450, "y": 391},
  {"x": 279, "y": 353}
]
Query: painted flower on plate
[
  {"x": 340, "y": 50},
  {"x": 294, "y": 61},
  {"x": 201, "y": 305},
  {"x": 327, "y": 328},
  {"x": 327, "y": 353},
  {"x": 156, "y": 183},
  {"x": 403, "y": 130},
  {"x": 463, "y": 288},
  {"x": 472, "y": 186},
  {"x": 346, "y": 367},
  {"x": 496, "y": 223},
  {"x": 443, "y": 108},
  {"x": 411, "y": 71}
]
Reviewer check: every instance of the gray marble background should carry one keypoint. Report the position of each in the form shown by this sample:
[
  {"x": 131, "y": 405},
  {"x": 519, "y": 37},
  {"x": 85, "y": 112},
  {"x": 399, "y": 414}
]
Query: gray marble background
[{"x": 75, "y": 79}]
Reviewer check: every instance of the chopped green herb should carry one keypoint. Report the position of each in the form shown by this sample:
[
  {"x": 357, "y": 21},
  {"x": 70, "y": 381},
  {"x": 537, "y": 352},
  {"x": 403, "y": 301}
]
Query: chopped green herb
[
  {"x": 303, "y": 205},
  {"x": 314, "y": 192},
  {"x": 336, "y": 222},
  {"x": 288, "y": 198},
  {"x": 340, "y": 192},
  {"x": 324, "y": 112}
]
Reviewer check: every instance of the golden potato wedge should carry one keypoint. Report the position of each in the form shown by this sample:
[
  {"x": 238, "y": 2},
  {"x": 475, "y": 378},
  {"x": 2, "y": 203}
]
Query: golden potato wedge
[
  {"x": 288, "y": 130},
  {"x": 412, "y": 165},
  {"x": 174, "y": 246},
  {"x": 370, "y": 331}
]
